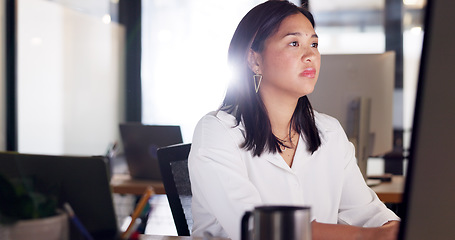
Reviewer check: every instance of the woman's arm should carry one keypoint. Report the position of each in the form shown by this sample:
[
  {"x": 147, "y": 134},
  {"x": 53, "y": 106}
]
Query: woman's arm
[
  {"x": 221, "y": 189},
  {"x": 322, "y": 231}
]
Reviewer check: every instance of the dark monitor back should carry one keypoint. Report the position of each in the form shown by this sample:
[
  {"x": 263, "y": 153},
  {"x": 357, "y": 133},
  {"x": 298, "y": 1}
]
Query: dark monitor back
[
  {"x": 141, "y": 143},
  {"x": 81, "y": 181},
  {"x": 430, "y": 187}
]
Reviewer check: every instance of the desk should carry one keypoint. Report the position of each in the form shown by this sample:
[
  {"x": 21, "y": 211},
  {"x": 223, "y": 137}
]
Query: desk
[
  {"x": 391, "y": 192},
  {"x": 388, "y": 192},
  {"x": 124, "y": 184},
  {"x": 156, "y": 237}
]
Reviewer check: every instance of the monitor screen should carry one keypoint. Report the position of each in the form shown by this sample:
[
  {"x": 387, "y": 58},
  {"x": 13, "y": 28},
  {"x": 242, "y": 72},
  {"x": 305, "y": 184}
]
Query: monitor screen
[{"x": 430, "y": 187}]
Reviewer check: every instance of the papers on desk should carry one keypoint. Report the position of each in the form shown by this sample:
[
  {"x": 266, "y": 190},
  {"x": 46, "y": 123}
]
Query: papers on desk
[{"x": 373, "y": 182}]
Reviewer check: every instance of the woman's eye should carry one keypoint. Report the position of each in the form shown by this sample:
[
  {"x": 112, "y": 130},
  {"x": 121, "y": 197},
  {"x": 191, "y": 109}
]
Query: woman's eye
[
  {"x": 294, "y": 44},
  {"x": 315, "y": 45}
]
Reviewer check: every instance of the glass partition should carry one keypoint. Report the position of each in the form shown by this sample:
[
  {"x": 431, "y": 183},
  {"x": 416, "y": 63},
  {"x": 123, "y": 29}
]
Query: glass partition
[{"x": 70, "y": 77}]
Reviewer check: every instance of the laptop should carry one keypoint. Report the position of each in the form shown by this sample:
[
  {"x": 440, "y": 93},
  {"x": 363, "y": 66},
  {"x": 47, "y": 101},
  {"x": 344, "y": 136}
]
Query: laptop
[
  {"x": 140, "y": 145},
  {"x": 80, "y": 181},
  {"x": 429, "y": 196}
]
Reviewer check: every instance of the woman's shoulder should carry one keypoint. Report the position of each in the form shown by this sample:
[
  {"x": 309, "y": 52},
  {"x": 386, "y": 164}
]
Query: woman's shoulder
[
  {"x": 217, "y": 127},
  {"x": 217, "y": 122},
  {"x": 326, "y": 122},
  {"x": 218, "y": 118}
]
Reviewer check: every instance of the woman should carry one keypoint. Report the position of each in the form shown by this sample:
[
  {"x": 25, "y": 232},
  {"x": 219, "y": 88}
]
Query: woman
[{"x": 266, "y": 145}]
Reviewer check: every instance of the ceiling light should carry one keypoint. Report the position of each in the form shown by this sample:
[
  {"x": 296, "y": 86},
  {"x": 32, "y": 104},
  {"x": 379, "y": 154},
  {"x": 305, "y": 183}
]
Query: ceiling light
[
  {"x": 106, "y": 18},
  {"x": 414, "y": 3}
]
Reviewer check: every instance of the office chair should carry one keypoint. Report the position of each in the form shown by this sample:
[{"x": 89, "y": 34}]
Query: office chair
[{"x": 173, "y": 161}]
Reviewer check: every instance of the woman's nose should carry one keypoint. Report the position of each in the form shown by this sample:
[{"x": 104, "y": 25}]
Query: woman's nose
[{"x": 308, "y": 55}]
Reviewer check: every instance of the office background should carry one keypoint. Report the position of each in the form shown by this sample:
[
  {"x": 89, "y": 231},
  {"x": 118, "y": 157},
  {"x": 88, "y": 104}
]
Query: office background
[{"x": 78, "y": 63}]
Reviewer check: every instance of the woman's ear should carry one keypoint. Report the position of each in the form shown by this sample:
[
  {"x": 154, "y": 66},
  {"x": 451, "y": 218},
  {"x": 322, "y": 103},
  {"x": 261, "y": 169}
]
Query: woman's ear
[{"x": 254, "y": 61}]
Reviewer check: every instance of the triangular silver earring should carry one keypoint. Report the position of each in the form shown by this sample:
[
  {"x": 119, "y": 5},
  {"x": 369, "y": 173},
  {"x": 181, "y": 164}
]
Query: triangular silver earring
[{"x": 257, "y": 81}]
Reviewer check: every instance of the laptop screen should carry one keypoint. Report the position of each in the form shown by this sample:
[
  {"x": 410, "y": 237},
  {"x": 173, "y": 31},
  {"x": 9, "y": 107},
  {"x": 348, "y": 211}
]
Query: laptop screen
[
  {"x": 81, "y": 181},
  {"x": 430, "y": 188},
  {"x": 141, "y": 142}
]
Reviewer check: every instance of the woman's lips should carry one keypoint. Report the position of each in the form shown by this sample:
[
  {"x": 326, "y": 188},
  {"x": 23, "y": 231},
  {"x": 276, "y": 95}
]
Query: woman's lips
[{"x": 309, "y": 72}]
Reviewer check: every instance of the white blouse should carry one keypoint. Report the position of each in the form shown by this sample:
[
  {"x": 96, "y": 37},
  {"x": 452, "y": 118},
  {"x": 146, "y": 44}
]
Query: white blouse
[{"x": 226, "y": 180}]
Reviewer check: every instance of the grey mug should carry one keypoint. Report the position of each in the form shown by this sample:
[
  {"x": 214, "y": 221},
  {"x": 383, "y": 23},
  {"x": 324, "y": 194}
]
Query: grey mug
[{"x": 277, "y": 223}]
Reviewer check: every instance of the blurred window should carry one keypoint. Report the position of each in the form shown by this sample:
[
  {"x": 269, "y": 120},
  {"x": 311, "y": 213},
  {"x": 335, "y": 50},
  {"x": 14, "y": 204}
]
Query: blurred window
[{"x": 184, "y": 58}]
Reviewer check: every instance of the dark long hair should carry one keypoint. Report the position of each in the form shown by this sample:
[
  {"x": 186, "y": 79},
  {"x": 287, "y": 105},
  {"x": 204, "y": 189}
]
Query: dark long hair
[{"x": 242, "y": 101}]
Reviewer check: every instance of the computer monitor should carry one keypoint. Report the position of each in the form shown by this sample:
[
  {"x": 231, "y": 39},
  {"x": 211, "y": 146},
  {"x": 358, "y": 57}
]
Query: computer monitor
[
  {"x": 430, "y": 185},
  {"x": 357, "y": 89},
  {"x": 81, "y": 181}
]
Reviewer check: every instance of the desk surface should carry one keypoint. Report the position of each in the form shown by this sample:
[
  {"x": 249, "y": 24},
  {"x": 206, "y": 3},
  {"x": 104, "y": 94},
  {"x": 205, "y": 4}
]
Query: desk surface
[
  {"x": 156, "y": 237},
  {"x": 391, "y": 192},
  {"x": 124, "y": 184}
]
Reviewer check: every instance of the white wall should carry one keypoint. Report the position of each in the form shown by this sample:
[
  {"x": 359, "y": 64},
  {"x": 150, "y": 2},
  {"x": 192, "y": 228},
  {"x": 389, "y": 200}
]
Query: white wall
[
  {"x": 2, "y": 77},
  {"x": 69, "y": 80},
  {"x": 40, "y": 77},
  {"x": 93, "y": 83}
]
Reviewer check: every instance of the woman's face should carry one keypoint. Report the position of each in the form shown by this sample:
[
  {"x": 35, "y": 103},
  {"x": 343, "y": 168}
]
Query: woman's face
[{"x": 290, "y": 61}]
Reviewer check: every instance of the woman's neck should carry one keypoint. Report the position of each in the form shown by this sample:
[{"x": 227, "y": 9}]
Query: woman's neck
[{"x": 280, "y": 111}]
